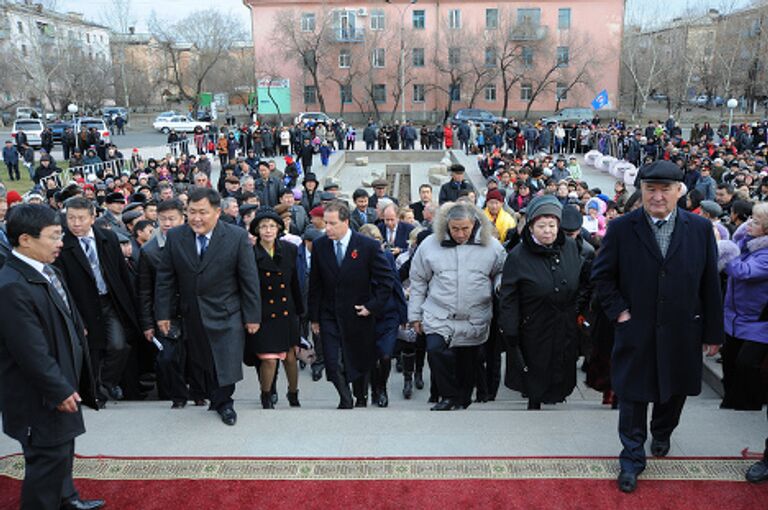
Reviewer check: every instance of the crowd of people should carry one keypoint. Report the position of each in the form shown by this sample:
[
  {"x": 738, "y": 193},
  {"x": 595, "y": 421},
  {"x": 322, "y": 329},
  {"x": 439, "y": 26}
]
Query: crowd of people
[{"x": 169, "y": 283}]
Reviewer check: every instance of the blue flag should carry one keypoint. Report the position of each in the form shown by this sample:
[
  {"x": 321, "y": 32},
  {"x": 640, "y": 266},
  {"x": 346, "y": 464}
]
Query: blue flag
[{"x": 601, "y": 100}]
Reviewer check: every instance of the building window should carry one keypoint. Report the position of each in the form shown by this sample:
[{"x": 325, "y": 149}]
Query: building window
[
  {"x": 20, "y": 26},
  {"x": 564, "y": 18},
  {"x": 379, "y": 93},
  {"x": 454, "y": 56},
  {"x": 24, "y": 50},
  {"x": 562, "y": 56},
  {"x": 491, "y": 19},
  {"x": 490, "y": 93},
  {"x": 418, "y": 57},
  {"x": 454, "y": 19},
  {"x": 419, "y": 19},
  {"x": 378, "y": 57},
  {"x": 527, "y": 56},
  {"x": 418, "y": 93},
  {"x": 345, "y": 92},
  {"x": 88, "y": 38},
  {"x": 562, "y": 91},
  {"x": 308, "y": 22},
  {"x": 310, "y": 60},
  {"x": 344, "y": 58},
  {"x": 455, "y": 92},
  {"x": 526, "y": 91},
  {"x": 490, "y": 57},
  {"x": 529, "y": 17},
  {"x": 377, "y": 19}
]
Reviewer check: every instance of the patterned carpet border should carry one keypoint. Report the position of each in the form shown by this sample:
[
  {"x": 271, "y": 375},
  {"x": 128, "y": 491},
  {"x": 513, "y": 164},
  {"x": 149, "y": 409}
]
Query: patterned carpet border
[{"x": 117, "y": 468}]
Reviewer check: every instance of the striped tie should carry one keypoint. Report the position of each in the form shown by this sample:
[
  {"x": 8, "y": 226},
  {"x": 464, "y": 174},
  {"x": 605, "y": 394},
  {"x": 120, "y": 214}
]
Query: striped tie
[{"x": 56, "y": 283}]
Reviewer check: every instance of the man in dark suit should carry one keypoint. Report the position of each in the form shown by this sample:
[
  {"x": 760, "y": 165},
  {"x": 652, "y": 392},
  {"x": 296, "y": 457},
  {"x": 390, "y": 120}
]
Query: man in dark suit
[
  {"x": 361, "y": 214},
  {"x": 656, "y": 277},
  {"x": 425, "y": 198},
  {"x": 394, "y": 231},
  {"x": 219, "y": 300},
  {"x": 95, "y": 270},
  {"x": 350, "y": 283},
  {"x": 451, "y": 190},
  {"x": 44, "y": 365},
  {"x": 171, "y": 360}
]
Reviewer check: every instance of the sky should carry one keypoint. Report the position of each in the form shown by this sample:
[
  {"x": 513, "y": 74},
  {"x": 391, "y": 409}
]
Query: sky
[{"x": 651, "y": 11}]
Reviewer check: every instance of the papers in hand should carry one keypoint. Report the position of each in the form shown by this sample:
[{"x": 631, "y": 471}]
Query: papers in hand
[{"x": 157, "y": 343}]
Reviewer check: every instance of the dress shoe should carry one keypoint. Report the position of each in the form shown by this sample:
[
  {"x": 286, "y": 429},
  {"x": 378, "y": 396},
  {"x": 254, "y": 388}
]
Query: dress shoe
[
  {"x": 200, "y": 402},
  {"x": 659, "y": 448},
  {"x": 293, "y": 398},
  {"x": 317, "y": 373},
  {"x": 418, "y": 381},
  {"x": 534, "y": 406},
  {"x": 266, "y": 400},
  {"x": 758, "y": 472},
  {"x": 408, "y": 389},
  {"x": 82, "y": 504},
  {"x": 361, "y": 402},
  {"x": 383, "y": 400},
  {"x": 181, "y": 404},
  {"x": 345, "y": 396},
  {"x": 627, "y": 481},
  {"x": 446, "y": 404},
  {"x": 399, "y": 364},
  {"x": 228, "y": 416},
  {"x": 116, "y": 393}
]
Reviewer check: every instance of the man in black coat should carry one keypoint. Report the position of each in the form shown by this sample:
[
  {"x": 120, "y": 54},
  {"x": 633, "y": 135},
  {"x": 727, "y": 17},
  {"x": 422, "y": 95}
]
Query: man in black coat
[
  {"x": 350, "y": 283},
  {"x": 170, "y": 361},
  {"x": 451, "y": 190},
  {"x": 44, "y": 365},
  {"x": 95, "y": 270},
  {"x": 656, "y": 278},
  {"x": 361, "y": 214},
  {"x": 218, "y": 301}
]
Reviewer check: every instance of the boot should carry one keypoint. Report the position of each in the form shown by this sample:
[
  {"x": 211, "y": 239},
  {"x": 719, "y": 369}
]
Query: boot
[
  {"x": 534, "y": 406},
  {"x": 273, "y": 389},
  {"x": 419, "y": 381},
  {"x": 266, "y": 400},
  {"x": 360, "y": 390},
  {"x": 293, "y": 398},
  {"x": 345, "y": 397},
  {"x": 407, "y": 386}
]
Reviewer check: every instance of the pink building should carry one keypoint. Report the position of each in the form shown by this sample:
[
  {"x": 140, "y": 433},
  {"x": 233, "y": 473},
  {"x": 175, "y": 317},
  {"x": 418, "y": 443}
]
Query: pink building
[{"x": 427, "y": 59}]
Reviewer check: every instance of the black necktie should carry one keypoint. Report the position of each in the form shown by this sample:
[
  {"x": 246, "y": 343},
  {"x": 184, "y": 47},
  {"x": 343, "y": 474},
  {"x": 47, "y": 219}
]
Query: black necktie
[
  {"x": 660, "y": 223},
  {"x": 203, "y": 242}
]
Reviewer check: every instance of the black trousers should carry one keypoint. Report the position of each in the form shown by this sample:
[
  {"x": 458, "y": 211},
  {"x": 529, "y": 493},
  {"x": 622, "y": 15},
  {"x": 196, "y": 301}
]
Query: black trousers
[
  {"x": 47, "y": 476},
  {"x": 170, "y": 364},
  {"x": 110, "y": 361},
  {"x": 742, "y": 378},
  {"x": 633, "y": 428},
  {"x": 454, "y": 368},
  {"x": 13, "y": 171},
  {"x": 220, "y": 396}
]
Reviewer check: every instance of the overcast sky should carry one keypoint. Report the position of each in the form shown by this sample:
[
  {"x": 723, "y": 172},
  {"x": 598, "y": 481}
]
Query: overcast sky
[{"x": 650, "y": 10}]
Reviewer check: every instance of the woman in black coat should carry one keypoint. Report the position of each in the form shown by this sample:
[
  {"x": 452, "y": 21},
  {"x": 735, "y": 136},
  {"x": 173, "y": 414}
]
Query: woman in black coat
[
  {"x": 281, "y": 306},
  {"x": 538, "y": 307}
]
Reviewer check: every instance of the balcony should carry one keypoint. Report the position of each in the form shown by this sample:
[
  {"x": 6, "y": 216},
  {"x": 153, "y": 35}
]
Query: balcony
[
  {"x": 528, "y": 32},
  {"x": 349, "y": 35}
]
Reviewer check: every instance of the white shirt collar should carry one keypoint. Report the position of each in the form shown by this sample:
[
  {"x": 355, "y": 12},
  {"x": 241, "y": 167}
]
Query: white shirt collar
[
  {"x": 89, "y": 235},
  {"x": 36, "y": 264},
  {"x": 345, "y": 240}
]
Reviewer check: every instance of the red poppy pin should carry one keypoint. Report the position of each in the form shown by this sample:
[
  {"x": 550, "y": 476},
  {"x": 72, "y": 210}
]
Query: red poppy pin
[{"x": 354, "y": 254}]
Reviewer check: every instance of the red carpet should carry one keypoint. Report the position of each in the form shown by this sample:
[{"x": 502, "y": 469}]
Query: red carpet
[{"x": 314, "y": 483}]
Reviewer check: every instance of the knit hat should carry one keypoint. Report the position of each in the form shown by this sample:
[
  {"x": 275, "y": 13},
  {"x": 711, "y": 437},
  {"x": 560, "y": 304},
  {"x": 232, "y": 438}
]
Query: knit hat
[
  {"x": 544, "y": 205},
  {"x": 317, "y": 212},
  {"x": 13, "y": 197},
  {"x": 494, "y": 194},
  {"x": 572, "y": 219}
]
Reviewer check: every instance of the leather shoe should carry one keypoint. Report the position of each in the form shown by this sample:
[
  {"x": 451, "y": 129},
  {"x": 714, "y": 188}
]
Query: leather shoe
[
  {"x": 116, "y": 393},
  {"x": 659, "y": 448},
  {"x": 200, "y": 402},
  {"x": 181, "y": 404},
  {"x": 383, "y": 400},
  {"x": 317, "y": 373},
  {"x": 361, "y": 402},
  {"x": 758, "y": 472},
  {"x": 418, "y": 381},
  {"x": 627, "y": 481},
  {"x": 228, "y": 416},
  {"x": 446, "y": 405},
  {"x": 82, "y": 504},
  {"x": 407, "y": 389}
]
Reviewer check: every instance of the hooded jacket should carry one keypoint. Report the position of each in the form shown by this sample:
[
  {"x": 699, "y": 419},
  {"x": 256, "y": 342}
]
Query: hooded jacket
[{"x": 452, "y": 285}]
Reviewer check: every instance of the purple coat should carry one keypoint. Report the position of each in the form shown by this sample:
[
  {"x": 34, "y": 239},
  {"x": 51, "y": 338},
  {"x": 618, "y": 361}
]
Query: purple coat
[{"x": 746, "y": 298}]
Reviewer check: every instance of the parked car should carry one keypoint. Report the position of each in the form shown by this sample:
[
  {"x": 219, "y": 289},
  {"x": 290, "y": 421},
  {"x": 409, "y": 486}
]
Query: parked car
[
  {"x": 93, "y": 122},
  {"x": 570, "y": 116},
  {"x": 180, "y": 123},
  {"x": 658, "y": 96},
  {"x": 166, "y": 115},
  {"x": 477, "y": 116},
  {"x": 114, "y": 111},
  {"x": 316, "y": 117},
  {"x": 33, "y": 128},
  {"x": 58, "y": 127}
]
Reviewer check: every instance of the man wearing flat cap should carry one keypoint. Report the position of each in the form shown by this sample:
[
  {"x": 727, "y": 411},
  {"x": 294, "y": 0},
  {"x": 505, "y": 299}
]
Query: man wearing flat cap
[
  {"x": 115, "y": 204},
  {"x": 656, "y": 278},
  {"x": 379, "y": 191},
  {"x": 451, "y": 190}
]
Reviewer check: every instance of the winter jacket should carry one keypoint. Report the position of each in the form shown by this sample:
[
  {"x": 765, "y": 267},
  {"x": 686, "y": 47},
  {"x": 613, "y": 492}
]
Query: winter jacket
[
  {"x": 746, "y": 297},
  {"x": 452, "y": 285}
]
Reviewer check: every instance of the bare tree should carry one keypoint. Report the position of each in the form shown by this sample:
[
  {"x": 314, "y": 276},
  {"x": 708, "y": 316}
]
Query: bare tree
[
  {"x": 120, "y": 19},
  {"x": 193, "y": 46},
  {"x": 451, "y": 60},
  {"x": 511, "y": 64}
]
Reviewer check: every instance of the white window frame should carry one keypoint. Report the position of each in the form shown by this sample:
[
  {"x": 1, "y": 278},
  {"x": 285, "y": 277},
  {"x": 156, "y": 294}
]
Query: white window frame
[
  {"x": 496, "y": 25},
  {"x": 561, "y": 91},
  {"x": 379, "y": 17},
  {"x": 345, "y": 58},
  {"x": 529, "y": 88},
  {"x": 490, "y": 90},
  {"x": 379, "y": 58},
  {"x": 383, "y": 98},
  {"x": 454, "y": 19},
  {"x": 308, "y": 21},
  {"x": 419, "y": 93},
  {"x": 423, "y": 61}
]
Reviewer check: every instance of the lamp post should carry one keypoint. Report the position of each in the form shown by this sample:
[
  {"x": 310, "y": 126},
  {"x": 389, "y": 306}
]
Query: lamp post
[
  {"x": 403, "y": 10},
  {"x": 731, "y": 104},
  {"x": 72, "y": 108}
]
